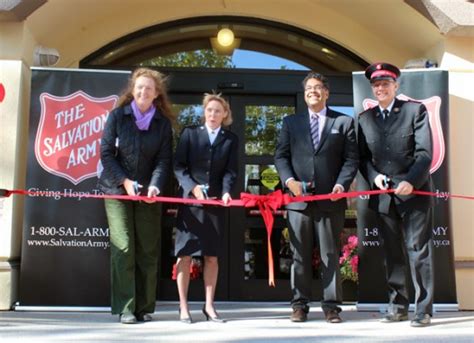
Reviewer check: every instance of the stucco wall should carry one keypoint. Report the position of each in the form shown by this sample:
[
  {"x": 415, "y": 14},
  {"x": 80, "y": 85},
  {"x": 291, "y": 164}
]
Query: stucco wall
[{"x": 79, "y": 27}]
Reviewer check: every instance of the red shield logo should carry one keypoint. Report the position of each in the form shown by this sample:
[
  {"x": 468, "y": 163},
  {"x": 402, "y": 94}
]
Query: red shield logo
[
  {"x": 433, "y": 105},
  {"x": 68, "y": 138}
]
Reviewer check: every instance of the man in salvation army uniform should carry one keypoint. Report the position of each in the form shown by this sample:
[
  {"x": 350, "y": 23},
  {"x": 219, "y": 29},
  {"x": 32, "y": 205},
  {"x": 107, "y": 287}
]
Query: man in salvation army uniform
[{"x": 395, "y": 147}]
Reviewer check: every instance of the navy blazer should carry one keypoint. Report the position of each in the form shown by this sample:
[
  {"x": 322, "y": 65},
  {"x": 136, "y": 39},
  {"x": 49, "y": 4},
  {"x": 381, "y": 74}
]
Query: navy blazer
[
  {"x": 197, "y": 162},
  {"x": 399, "y": 147},
  {"x": 335, "y": 161}
]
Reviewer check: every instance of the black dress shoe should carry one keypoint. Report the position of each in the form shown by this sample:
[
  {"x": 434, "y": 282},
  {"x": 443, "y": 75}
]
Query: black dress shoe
[
  {"x": 187, "y": 320},
  {"x": 216, "y": 319},
  {"x": 299, "y": 315},
  {"x": 144, "y": 317},
  {"x": 421, "y": 320},
  {"x": 128, "y": 318},
  {"x": 332, "y": 316},
  {"x": 394, "y": 317}
]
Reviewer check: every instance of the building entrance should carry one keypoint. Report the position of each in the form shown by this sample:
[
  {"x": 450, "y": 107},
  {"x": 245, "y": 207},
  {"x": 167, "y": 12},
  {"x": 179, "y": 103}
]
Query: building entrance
[{"x": 259, "y": 101}]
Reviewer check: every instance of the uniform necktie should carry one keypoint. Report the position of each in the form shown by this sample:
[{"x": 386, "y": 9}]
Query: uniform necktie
[
  {"x": 385, "y": 113},
  {"x": 212, "y": 136},
  {"x": 315, "y": 130}
]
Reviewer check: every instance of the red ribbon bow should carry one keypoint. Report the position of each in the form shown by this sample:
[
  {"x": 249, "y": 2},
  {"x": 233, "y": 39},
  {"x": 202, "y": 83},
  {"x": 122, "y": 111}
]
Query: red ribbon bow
[{"x": 267, "y": 204}]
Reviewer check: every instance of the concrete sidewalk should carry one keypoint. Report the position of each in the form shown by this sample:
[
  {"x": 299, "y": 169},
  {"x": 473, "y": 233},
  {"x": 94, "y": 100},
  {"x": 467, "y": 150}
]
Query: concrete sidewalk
[{"x": 247, "y": 322}]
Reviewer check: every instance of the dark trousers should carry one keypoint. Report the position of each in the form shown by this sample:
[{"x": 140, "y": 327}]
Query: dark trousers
[
  {"x": 407, "y": 236},
  {"x": 307, "y": 228},
  {"x": 135, "y": 233}
]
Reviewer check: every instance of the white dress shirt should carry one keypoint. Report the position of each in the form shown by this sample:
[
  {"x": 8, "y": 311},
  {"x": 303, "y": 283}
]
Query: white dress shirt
[
  {"x": 212, "y": 133},
  {"x": 389, "y": 107}
]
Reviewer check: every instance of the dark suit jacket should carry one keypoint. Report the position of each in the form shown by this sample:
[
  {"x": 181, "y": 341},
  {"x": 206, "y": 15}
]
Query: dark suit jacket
[
  {"x": 334, "y": 161},
  {"x": 197, "y": 162},
  {"x": 399, "y": 147}
]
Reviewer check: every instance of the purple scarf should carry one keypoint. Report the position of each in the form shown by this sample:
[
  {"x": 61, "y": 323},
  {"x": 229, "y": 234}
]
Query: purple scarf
[{"x": 142, "y": 120}]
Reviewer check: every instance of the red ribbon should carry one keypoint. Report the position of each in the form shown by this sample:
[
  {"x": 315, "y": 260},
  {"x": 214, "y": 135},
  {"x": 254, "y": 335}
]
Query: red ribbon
[{"x": 267, "y": 204}]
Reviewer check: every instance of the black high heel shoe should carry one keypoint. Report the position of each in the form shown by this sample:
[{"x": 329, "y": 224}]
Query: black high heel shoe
[
  {"x": 188, "y": 320},
  {"x": 215, "y": 319}
]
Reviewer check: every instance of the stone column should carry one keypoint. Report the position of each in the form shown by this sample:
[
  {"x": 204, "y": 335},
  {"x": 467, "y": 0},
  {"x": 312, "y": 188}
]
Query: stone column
[{"x": 14, "y": 107}]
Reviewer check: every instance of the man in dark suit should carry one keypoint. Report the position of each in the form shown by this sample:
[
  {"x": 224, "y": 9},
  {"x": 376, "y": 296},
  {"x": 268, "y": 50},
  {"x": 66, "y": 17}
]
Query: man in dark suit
[
  {"x": 395, "y": 149},
  {"x": 316, "y": 154}
]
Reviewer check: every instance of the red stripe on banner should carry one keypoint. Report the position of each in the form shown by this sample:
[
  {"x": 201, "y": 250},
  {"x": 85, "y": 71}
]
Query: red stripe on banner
[{"x": 267, "y": 204}]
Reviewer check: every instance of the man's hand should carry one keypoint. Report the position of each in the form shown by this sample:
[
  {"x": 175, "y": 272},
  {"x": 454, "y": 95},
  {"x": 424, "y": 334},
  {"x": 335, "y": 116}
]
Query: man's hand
[
  {"x": 295, "y": 187},
  {"x": 404, "y": 188},
  {"x": 380, "y": 181},
  {"x": 197, "y": 192},
  {"x": 226, "y": 198},
  {"x": 336, "y": 190}
]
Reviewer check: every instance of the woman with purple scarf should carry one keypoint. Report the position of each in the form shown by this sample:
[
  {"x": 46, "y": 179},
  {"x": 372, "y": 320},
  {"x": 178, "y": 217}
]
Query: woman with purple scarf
[{"x": 136, "y": 157}]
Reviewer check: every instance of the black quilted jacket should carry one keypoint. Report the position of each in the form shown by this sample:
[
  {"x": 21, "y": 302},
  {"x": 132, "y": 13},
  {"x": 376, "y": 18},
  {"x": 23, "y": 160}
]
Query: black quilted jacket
[{"x": 127, "y": 152}]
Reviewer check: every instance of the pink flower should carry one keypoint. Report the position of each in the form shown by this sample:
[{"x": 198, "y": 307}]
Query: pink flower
[
  {"x": 174, "y": 273},
  {"x": 355, "y": 263},
  {"x": 349, "y": 260},
  {"x": 353, "y": 241},
  {"x": 195, "y": 270},
  {"x": 345, "y": 254}
]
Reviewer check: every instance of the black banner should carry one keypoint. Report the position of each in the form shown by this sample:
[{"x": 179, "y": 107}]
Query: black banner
[
  {"x": 65, "y": 252},
  {"x": 429, "y": 86}
]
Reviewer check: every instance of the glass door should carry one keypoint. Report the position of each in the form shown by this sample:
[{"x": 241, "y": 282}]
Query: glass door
[
  {"x": 258, "y": 127},
  {"x": 259, "y": 101},
  {"x": 190, "y": 111}
]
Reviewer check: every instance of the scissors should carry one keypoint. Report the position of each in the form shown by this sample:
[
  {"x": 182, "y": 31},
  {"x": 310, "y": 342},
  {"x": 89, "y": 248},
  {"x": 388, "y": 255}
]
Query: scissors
[
  {"x": 386, "y": 181},
  {"x": 205, "y": 189},
  {"x": 135, "y": 188}
]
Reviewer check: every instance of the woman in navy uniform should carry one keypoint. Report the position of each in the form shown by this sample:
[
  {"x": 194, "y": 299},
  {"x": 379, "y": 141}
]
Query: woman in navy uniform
[{"x": 206, "y": 167}]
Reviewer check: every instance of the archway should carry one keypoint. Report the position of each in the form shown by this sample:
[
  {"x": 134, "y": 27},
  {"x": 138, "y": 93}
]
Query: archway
[
  {"x": 259, "y": 100},
  {"x": 273, "y": 38}
]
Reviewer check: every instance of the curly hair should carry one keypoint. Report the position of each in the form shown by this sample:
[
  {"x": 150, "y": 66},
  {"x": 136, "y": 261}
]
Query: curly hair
[{"x": 162, "y": 102}]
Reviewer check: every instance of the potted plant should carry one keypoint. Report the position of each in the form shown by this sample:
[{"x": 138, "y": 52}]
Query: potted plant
[{"x": 349, "y": 262}]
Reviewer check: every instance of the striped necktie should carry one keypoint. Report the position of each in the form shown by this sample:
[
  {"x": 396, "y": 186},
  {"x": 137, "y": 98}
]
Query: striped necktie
[{"x": 315, "y": 130}]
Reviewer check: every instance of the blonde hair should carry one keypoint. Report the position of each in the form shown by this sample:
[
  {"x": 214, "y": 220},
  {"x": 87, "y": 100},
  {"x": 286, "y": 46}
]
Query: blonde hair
[
  {"x": 162, "y": 102},
  {"x": 218, "y": 97}
]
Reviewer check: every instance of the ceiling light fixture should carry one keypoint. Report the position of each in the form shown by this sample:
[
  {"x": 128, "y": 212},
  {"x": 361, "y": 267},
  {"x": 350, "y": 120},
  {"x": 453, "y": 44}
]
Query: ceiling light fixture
[{"x": 225, "y": 37}]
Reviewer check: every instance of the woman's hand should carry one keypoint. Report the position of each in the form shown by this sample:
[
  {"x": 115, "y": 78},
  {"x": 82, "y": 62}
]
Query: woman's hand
[
  {"x": 152, "y": 192},
  {"x": 197, "y": 192},
  {"x": 131, "y": 187},
  {"x": 226, "y": 198}
]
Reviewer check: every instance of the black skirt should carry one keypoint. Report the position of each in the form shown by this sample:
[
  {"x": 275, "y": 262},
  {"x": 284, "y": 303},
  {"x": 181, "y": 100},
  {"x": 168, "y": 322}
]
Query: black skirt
[{"x": 199, "y": 231}]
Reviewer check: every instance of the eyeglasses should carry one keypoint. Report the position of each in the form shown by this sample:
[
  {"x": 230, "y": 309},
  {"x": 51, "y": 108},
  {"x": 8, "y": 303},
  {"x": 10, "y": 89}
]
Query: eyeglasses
[
  {"x": 316, "y": 88},
  {"x": 384, "y": 84}
]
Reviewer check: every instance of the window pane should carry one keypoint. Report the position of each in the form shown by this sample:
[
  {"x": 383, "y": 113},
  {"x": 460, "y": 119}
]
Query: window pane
[
  {"x": 262, "y": 126},
  {"x": 349, "y": 110},
  {"x": 261, "y": 179},
  {"x": 256, "y": 253},
  {"x": 189, "y": 114}
]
